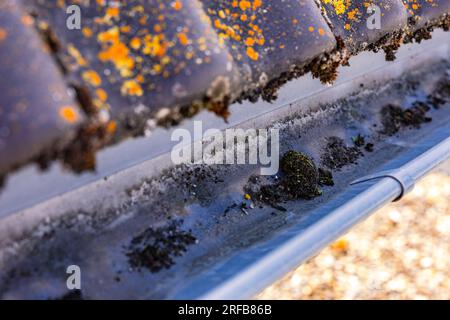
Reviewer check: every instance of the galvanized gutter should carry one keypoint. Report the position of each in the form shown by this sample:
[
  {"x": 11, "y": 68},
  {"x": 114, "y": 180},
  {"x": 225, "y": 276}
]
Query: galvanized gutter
[{"x": 302, "y": 247}]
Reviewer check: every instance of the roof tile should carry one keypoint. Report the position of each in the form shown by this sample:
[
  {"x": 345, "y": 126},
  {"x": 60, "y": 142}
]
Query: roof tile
[
  {"x": 427, "y": 12},
  {"x": 351, "y": 21},
  {"x": 137, "y": 59},
  {"x": 270, "y": 39},
  {"x": 37, "y": 114}
]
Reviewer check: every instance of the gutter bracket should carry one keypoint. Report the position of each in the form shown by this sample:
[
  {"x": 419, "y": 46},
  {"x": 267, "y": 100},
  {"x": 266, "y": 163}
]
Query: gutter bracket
[{"x": 403, "y": 178}]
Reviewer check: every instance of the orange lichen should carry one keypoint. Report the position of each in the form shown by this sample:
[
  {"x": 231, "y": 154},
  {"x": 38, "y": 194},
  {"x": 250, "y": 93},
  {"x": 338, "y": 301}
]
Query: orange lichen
[
  {"x": 68, "y": 114},
  {"x": 112, "y": 12},
  {"x": 252, "y": 53},
  {"x": 177, "y": 5},
  {"x": 92, "y": 78},
  {"x": 87, "y": 32},
  {"x": 111, "y": 127},
  {"x": 27, "y": 20},
  {"x": 132, "y": 88},
  {"x": 351, "y": 15},
  {"x": 125, "y": 29},
  {"x": 101, "y": 95},
  {"x": 183, "y": 38},
  {"x": 135, "y": 43},
  {"x": 116, "y": 52}
]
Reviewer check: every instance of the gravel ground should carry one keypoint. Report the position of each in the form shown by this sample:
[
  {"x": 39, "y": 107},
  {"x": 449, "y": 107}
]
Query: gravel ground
[{"x": 401, "y": 252}]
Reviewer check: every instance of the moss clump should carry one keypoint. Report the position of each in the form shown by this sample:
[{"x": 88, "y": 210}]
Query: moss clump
[
  {"x": 394, "y": 118},
  {"x": 301, "y": 178}
]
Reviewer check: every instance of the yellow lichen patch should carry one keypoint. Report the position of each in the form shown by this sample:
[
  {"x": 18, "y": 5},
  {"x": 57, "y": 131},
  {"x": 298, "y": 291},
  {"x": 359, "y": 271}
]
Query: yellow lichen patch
[
  {"x": 87, "y": 32},
  {"x": 92, "y": 78},
  {"x": 68, "y": 114},
  {"x": 340, "y": 6},
  {"x": 132, "y": 88},
  {"x": 154, "y": 45}
]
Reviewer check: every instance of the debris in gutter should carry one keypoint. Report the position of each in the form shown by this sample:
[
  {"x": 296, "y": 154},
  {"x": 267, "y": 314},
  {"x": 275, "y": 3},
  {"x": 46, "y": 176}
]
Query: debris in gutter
[
  {"x": 394, "y": 117},
  {"x": 338, "y": 154},
  {"x": 359, "y": 140},
  {"x": 325, "y": 178},
  {"x": 300, "y": 180},
  {"x": 369, "y": 147},
  {"x": 155, "y": 249},
  {"x": 73, "y": 295}
]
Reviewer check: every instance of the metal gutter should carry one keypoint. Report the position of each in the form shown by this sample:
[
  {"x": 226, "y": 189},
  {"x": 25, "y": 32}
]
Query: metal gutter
[{"x": 306, "y": 244}]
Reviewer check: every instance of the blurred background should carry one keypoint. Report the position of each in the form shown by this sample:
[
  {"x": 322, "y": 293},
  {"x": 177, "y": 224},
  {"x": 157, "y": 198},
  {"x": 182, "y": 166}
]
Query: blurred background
[{"x": 401, "y": 252}]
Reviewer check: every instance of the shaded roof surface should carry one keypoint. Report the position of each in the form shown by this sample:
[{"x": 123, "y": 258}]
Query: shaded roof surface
[{"x": 137, "y": 64}]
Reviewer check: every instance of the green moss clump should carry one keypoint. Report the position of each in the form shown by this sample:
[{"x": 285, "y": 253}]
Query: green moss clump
[{"x": 301, "y": 178}]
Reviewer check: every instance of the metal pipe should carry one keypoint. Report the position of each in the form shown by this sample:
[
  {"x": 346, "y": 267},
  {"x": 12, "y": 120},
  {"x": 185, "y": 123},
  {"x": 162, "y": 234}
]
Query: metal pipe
[{"x": 302, "y": 247}]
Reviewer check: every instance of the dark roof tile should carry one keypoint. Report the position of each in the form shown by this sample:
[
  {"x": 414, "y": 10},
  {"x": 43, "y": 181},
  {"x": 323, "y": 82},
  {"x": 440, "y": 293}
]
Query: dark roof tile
[
  {"x": 141, "y": 59},
  {"x": 350, "y": 21},
  {"x": 268, "y": 39},
  {"x": 37, "y": 114},
  {"x": 427, "y": 12}
]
